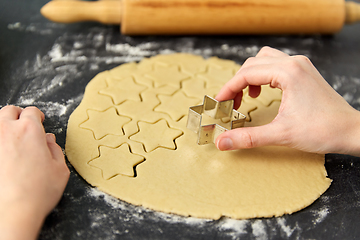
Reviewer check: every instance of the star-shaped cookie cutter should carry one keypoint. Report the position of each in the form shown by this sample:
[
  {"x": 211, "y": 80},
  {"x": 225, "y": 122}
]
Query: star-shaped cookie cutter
[{"x": 216, "y": 110}]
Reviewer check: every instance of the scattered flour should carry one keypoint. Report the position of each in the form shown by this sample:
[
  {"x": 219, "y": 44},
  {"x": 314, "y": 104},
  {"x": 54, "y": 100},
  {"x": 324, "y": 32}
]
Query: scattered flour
[
  {"x": 37, "y": 28},
  {"x": 229, "y": 227},
  {"x": 321, "y": 214},
  {"x": 127, "y": 49},
  {"x": 281, "y": 221},
  {"x": 259, "y": 230},
  {"x": 137, "y": 211},
  {"x": 233, "y": 228}
]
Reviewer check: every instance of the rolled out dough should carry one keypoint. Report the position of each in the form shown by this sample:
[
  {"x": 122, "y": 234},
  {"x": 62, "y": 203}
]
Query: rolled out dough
[{"x": 128, "y": 137}]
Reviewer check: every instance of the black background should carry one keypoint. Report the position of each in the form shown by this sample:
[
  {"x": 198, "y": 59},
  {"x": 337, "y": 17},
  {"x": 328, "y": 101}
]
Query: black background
[{"x": 48, "y": 65}]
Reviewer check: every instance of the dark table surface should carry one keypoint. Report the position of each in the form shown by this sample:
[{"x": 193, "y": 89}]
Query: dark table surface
[{"x": 48, "y": 65}]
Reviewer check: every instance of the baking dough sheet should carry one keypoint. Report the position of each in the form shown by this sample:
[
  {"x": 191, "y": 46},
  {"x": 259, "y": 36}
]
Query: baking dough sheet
[{"x": 128, "y": 137}]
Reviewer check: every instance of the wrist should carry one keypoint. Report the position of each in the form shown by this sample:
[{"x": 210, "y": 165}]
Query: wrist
[{"x": 349, "y": 139}]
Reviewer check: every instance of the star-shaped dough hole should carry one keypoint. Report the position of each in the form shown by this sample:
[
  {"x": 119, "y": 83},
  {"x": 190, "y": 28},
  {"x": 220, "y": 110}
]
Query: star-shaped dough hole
[
  {"x": 167, "y": 75},
  {"x": 155, "y": 135},
  {"x": 217, "y": 76},
  {"x": 117, "y": 161},
  {"x": 105, "y": 122},
  {"x": 122, "y": 90},
  {"x": 176, "y": 106}
]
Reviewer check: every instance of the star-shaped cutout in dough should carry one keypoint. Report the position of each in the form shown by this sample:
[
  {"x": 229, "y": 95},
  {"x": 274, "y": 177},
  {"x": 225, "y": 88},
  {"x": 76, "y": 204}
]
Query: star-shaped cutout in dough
[
  {"x": 247, "y": 105},
  {"x": 217, "y": 76},
  {"x": 189, "y": 64},
  {"x": 105, "y": 123},
  {"x": 197, "y": 87},
  {"x": 167, "y": 75},
  {"x": 117, "y": 161},
  {"x": 122, "y": 90},
  {"x": 155, "y": 135},
  {"x": 269, "y": 94},
  {"x": 222, "y": 63},
  {"x": 176, "y": 105},
  {"x": 264, "y": 114}
]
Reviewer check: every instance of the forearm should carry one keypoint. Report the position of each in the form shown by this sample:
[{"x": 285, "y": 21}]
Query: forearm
[{"x": 19, "y": 223}]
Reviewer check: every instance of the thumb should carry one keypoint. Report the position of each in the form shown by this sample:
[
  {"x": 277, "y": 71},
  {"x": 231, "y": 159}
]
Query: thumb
[
  {"x": 249, "y": 137},
  {"x": 54, "y": 148}
]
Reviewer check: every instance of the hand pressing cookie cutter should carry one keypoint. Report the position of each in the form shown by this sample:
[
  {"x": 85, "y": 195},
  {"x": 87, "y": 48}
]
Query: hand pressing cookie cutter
[{"x": 216, "y": 110}]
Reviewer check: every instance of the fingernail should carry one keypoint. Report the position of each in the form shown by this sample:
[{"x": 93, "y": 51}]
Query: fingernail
[
  {"x": 50, "y": 137},
  {"x": 225, "y": 144}
]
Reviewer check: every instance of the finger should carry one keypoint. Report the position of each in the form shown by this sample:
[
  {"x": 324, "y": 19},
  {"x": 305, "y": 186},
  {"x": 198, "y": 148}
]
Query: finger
[
  {"x": 238, "y": 99},
  {"x": 57, "y": 154},
  {"x": 10, "y": 112},
  {"x": 54, "y": 148},
  {"x": 264, "y": 56},
  {"x": 34, "y": 113},
  {"x": 254, "y": 61},
  {"x": 270, "y": 52},
  {"x": 266, "y": 52},
  {"x": 250, "y": 137},
  {"x": 254, "y": 91},
  {"x": 256, "y": 75}
]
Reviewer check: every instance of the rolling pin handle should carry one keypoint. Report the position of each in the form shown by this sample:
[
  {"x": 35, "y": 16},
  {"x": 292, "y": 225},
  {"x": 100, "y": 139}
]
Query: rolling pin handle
[
  {"x": 69, "y": 11},
  {"x": 352, "y": 10}
]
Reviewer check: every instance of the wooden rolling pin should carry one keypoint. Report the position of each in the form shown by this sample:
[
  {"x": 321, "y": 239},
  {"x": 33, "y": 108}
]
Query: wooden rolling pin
[{"x": 140, "y": 17}]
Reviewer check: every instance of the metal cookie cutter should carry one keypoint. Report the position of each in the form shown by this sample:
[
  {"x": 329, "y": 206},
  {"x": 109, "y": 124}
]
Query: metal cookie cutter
[{"x": 216, "y": 110}]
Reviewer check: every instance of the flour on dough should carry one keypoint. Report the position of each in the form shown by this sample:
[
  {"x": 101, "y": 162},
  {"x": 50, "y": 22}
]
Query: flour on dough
[{"x": 128, "y": 137}]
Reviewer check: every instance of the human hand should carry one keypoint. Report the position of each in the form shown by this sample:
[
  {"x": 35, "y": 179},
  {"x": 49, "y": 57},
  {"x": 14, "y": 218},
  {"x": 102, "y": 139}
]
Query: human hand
[
  {"x": 312, "y": 117},
  {"x": 33, "y": 172}
]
